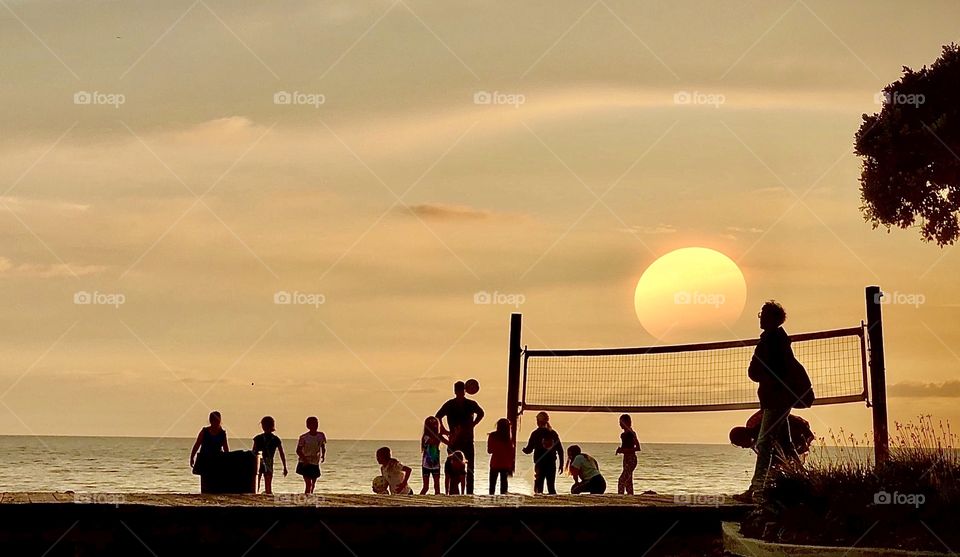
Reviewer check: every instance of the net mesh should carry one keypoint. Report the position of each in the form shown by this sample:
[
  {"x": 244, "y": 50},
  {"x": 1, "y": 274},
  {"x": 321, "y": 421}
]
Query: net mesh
[{"x": 685, "y": 378}]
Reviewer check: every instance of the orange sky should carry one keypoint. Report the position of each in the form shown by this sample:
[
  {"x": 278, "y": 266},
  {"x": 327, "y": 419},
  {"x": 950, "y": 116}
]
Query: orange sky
[{"x": 547, "y": 151}]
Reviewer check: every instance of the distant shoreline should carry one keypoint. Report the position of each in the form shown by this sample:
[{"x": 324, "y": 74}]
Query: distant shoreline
[{"x": 401, "y": 440}]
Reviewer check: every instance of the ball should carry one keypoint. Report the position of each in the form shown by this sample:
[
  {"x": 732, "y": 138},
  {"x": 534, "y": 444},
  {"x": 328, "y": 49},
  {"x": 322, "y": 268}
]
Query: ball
[
  {"x": 380, "y": 485},
  {"x": 472, "y": 387}
]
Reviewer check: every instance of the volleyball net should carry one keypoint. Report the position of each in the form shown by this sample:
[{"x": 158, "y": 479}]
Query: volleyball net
[{"x": 685, "y": 378}]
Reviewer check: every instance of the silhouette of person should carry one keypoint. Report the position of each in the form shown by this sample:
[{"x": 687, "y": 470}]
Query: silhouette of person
[
  {"x": 770, "y": 368},
  {"x": 745, "y": 436},
  {"x": 463, "y": 415}
]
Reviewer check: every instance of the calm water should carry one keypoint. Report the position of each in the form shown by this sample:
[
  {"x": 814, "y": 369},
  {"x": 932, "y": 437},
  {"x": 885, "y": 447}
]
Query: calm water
[{"x": 128, "y": 464}]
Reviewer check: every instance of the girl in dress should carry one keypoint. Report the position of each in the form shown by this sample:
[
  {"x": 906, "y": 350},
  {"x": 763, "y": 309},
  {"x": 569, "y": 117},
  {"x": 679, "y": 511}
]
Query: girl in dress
[{"x": 430, "y": 449}]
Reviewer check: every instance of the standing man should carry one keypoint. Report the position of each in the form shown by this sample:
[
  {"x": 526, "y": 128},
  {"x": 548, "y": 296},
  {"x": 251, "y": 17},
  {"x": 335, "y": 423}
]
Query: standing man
[
  {"x": 463, "y": 415},
  {"x": 771, "y": 368}
]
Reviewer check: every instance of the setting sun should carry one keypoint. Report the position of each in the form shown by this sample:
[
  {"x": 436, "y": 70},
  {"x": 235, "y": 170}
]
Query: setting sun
[{"x": 689, "y": 290}]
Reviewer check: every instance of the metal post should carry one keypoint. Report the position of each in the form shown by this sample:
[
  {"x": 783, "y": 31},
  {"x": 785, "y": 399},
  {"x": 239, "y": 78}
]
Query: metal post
[
  {"x": 878, "y": 380},
  {"x": 513, "y": 373}
]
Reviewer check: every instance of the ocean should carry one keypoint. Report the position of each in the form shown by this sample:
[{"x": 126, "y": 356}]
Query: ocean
[{"x": 135, "y": 464}]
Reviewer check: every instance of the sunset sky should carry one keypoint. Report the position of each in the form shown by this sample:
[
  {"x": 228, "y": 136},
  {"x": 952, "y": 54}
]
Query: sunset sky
[{"x": 391, "y": 190}]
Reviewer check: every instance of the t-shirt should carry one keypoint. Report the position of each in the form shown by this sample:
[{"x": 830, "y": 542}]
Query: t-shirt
[
  {"x": 431, "y": 453},
  {"x": 393, "y": 472},
  {"x": 460, "y": 414},
  {"x": 310, "y": 445},
  {"x": 267, "y": 444},
  {"x": 545, "y": 444},
  {"x": 628, "y": 440},
  {"x": 587, "y": 465}
]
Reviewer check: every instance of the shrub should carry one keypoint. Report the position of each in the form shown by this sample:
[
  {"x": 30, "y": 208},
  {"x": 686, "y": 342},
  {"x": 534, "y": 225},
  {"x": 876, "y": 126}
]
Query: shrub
[{"x": 840, "y": 497}]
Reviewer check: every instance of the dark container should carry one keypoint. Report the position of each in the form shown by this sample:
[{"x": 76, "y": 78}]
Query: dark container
[{"x": 233, "y": 472}]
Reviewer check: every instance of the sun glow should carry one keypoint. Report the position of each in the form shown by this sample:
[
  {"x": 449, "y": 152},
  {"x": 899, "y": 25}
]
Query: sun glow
[{"x": 690, "y": 290}]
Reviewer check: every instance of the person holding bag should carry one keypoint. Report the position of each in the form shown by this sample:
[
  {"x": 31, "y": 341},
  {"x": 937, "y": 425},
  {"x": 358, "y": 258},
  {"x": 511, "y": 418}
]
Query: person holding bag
[{"x": 783, "y": 384}]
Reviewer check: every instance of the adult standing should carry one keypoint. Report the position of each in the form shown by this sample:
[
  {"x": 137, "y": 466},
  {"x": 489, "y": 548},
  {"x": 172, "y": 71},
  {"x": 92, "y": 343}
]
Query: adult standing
[
  {"x": 211, "y": 444},
  {"x": 771, "y": 368},
  {"x": 463, "y": 415}
]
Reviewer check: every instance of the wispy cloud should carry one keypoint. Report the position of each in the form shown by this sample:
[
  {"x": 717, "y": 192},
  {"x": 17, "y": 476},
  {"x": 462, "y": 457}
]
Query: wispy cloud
[
  {"x": 918, "y": 389},
  {"x": 443, "y": 211},
  {"x": 656, "y": 229},
  {"x": 45, "y": 270}
]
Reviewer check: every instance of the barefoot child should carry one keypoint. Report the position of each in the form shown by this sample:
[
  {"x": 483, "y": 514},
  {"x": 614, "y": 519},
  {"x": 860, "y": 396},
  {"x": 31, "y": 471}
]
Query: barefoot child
[
  {"x": 546, "y": 447},
  {"x": 629, "y": 447},
  {"x": 455, "y": 470},
  {"x": 502, "y": 455},
  {"x": 392, "y": 470},
  {"x": 311, "y": 451},
  {"x": 267, "y": 444},
  {"x": 430, "y": 448}
]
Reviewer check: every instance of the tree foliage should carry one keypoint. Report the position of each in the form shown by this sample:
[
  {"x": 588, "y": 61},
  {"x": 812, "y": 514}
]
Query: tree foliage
[{"x": 911, "y": 152}]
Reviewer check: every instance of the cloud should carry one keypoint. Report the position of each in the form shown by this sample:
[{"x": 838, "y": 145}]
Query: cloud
[
  {"x": 41, "y": 270},
  {"x": 21, "y": 204},
  {"x": 917, "y": 389},
  {"x": 657, "y": 229},
  {"x": 445, "y": 212},
  {"x": 749, "y": 229}
]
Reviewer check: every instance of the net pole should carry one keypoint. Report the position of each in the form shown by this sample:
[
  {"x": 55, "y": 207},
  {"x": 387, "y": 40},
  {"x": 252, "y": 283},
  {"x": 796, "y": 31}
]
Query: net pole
[
  {"x": 878, "y": 381},
  {"x": 514, "y": 358}
]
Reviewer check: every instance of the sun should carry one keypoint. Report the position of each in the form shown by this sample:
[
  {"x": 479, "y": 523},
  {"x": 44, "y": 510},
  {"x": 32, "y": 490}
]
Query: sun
[{"x": 690, "y": 291}]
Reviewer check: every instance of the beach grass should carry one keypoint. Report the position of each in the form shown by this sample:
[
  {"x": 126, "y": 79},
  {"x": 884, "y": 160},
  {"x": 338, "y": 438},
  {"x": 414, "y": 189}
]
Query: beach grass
[{"x": 840, "y": 496}]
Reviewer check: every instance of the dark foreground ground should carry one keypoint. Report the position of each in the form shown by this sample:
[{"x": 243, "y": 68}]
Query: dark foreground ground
[{"x": 55, "y": 524}]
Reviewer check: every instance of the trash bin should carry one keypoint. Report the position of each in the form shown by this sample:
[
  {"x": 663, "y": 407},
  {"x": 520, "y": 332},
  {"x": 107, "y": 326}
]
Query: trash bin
[{"x": 233, "y": 472}]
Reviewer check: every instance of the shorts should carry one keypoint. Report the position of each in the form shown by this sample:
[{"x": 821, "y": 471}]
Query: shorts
[
  {"x": 431, "y": 472},
  {"x": 311, "y": 471},
  {"x": 266, "y": 466}
]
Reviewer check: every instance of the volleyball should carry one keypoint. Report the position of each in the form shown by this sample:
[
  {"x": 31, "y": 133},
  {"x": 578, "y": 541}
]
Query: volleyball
[
  {"x": 472, "y": 386},
  {"x": 380, "y": 485}
]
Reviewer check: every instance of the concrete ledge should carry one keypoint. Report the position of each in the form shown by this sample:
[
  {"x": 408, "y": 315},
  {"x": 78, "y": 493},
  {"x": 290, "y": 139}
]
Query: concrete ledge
[
  {"x": 742, "y": 546},
  {"x": 82, "y": 525}
]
